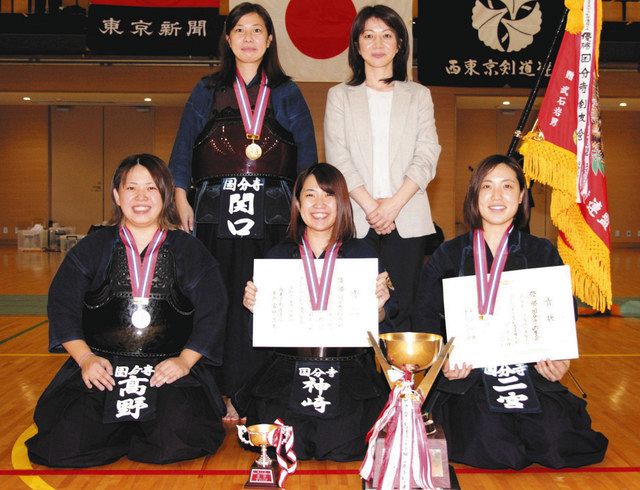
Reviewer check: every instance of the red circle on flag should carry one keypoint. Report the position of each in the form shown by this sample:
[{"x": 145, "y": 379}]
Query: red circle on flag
[{"x": 317, "y": 30}]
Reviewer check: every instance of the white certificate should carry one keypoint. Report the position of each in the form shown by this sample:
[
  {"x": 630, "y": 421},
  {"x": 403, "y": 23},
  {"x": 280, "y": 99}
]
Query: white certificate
[
  {"x": 282, "y": 315},
  {"x": 533, "y": 319}
]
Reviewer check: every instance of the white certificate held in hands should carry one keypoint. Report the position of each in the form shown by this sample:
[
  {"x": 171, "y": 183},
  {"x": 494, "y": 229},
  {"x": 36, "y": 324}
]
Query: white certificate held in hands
[
  {"x": 533, "y": 319},
  {"x": 282, "y": 314}
]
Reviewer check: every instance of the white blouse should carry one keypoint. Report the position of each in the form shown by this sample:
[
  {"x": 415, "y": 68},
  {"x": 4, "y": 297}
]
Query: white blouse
[{"x": 380, "y": 115}]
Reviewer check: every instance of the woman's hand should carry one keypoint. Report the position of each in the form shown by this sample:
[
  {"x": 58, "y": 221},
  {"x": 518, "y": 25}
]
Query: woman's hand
[
  {"x": 382, "y": 293},
  {"x": 384, "y": 229},
  {"x": 364, "y": 199},
  {"x": 249, "y": 298},
  {"x": 174, "y": 368},
  {"x": 382, "y": 217},
  {"x": 97, "y": 371},
  {"x": 169, "y": 370},
  {"x": 382, "y": 289},
  {"x": 456, "y": 372},
  {"x": 185, "y": 212},
  {"x": 552, "y": 370}
]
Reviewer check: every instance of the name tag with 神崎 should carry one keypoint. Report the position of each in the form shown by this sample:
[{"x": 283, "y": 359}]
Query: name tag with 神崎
[{"x": 534, "y": 319}]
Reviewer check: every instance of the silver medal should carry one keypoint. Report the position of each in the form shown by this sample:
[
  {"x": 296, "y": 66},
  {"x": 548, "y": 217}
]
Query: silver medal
[{"x": 141, "y": 318}]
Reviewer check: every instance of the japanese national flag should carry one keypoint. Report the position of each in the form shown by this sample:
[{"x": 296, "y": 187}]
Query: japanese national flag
[{"x": 313, "y": 35}]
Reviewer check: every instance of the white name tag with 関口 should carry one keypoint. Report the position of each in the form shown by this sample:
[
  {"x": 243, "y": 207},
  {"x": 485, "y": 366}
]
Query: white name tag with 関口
[
  {"x": 282, "y": 315},
  {"x": 534, "y": 319}
]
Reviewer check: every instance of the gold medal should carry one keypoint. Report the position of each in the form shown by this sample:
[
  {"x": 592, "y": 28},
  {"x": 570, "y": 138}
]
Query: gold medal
[
  {"x": 253, "y": 151},
  {"x": 252, "y": 120}
]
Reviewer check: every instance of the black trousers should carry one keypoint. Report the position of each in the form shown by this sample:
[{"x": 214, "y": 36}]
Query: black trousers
[
  {"x": 559, "y": 437},
  {"x": 241, "y": 359},
  {"x": 340, "y": 437},
  {"x": 402, "y": 258},
  {"x": 71, "y": 433}
]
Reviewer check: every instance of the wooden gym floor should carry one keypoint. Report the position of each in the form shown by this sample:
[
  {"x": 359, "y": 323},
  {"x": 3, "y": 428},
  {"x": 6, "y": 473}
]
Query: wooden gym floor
[{"x": 608, "y": 370}]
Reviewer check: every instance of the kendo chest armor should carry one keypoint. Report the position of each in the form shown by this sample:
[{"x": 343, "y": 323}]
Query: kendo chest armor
[
  {"x": 106, "y": 315},
  {"x": 220, "y": 149}
]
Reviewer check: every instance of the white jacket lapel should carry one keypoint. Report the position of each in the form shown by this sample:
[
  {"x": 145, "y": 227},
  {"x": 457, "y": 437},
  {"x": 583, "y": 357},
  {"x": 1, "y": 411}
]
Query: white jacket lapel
[
  {"x": 400, "y": 106},
  {"x": 362, "y": 126}
]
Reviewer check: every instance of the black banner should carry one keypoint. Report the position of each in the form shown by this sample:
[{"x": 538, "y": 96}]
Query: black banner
[
  {"x": 159, "y": 31},
  {"x": 43, "y": 34},
  {"x": 485, "y": 43}
]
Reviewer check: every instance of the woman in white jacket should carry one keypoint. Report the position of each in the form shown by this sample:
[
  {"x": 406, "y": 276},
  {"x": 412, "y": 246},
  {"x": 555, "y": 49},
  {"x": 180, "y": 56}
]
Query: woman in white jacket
[{"x": 380, "y": 131}]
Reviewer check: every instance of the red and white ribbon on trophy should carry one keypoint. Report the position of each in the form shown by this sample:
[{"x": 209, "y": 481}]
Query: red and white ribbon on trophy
[
  {"x": 406, "y": 457},
  {"x": 282, "y": 440}
]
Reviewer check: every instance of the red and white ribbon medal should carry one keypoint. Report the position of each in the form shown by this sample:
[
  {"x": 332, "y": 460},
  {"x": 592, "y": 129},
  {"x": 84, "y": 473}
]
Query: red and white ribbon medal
[
  {"x": 252, "y": 120},
  {"x": 318, "y": 290},
  {"x": 141, "y": 273},
  {"x": 487, "y": 287}
]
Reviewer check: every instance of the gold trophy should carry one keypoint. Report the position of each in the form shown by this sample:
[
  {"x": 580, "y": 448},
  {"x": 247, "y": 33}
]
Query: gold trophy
[
  {"x": 264, "y": 471},
  {"x": 411, "y": 351},
  {"x": 403, "y": 356}
]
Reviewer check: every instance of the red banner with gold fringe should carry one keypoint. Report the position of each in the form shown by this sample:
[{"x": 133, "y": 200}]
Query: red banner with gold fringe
[{"x": 564, "y": 151}]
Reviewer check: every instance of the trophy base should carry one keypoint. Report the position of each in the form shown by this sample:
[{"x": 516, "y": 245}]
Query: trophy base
[
  {"x": 439, "y": 461},
  {"x": 263, "y": 476}
]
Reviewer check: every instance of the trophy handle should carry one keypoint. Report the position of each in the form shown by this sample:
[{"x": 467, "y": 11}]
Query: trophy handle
[
  {"x": 386, "y": 367},
  {"x": 425, "y": 386},
  {"x": 243, "y": 434}
]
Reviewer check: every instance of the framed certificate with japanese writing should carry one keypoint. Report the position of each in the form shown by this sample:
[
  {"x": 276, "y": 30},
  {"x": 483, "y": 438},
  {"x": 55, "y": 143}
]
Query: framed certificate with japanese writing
[
  {"x": 534, "y": 319},
  {"x": 283, "y": 316}
]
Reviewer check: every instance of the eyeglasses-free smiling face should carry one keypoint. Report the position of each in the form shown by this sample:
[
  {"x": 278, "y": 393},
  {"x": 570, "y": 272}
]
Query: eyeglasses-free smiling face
[
  {"x": 499, "y": 196},
  {"x": 249, "y": 39},
  {"x": 318, "y": 209},
  {"x": 378, "y": 44},
  {"x": 139, "y": 199}
]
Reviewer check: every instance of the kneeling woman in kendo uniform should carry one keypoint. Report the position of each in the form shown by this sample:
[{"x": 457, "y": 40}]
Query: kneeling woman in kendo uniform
[
  {"x": 140, "y": 307},
  {"x": 321, "y": 226},
  {"x": 547, "y": 425}
]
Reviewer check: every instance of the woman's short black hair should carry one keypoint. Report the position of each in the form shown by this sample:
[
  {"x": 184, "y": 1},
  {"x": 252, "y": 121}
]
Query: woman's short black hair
[
  {"x": 392, "y": 19},
  {"x": 471, "y": 209}
]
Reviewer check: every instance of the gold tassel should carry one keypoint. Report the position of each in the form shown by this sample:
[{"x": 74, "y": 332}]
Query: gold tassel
[
  {"x": 539, "y": 154},
  {"x": 574, "y": 19},
  {"x": 586, "y": 255}
]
